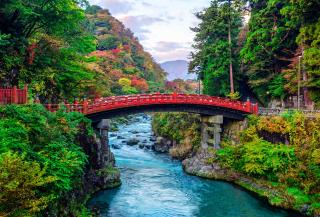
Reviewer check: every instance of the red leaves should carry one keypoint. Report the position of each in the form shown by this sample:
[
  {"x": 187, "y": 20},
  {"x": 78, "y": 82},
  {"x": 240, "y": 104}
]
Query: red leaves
[{"x": 140, "y": 84}]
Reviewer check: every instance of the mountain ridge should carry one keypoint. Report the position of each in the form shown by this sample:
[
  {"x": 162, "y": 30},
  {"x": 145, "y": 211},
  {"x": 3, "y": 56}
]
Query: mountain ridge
[{"x": 177, "y": 69}]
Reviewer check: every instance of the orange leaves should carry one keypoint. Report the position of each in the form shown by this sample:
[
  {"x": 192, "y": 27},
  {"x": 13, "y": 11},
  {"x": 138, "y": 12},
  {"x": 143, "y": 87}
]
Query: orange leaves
[
  {"x": 140, "y": 84},
  {"x": 103, "y": 54},
  {"x": 275, "y": 124}
]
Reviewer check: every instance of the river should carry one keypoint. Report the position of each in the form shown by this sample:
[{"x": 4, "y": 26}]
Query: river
[{"x": 154, "y": 185}]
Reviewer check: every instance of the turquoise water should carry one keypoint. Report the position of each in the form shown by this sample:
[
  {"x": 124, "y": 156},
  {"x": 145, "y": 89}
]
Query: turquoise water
[{"x": 154, "y": 185}]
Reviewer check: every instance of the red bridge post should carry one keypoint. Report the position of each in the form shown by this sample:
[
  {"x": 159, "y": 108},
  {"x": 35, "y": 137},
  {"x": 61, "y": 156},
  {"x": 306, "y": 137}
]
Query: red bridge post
[
  {"x": 25, "y": 101},
  {"x": 85, "y": 107},
  {"x": 14, "y": 95}
]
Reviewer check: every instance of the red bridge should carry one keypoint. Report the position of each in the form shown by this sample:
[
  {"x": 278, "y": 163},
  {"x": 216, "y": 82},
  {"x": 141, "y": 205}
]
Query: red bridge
[{"x": 121, "y": 105}]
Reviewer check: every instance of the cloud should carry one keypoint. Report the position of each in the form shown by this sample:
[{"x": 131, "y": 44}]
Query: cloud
[
  {"x": 165, "y": 46},
  {"x": 138, "y": 24},
  {"x": 115, "y": 6},
  {"x": 146, "y": 4},
  {"x": 179, "y": 54}
]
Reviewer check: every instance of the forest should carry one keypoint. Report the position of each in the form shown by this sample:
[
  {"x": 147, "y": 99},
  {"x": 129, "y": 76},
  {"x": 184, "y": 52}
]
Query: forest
[
  {"x": 272, "y": 47},
  {"x": 65, "y": 52}
]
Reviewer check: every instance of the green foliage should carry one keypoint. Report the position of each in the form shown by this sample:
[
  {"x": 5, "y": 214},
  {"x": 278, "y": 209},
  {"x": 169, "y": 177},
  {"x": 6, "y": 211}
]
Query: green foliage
[
  {"x": 276, "y": 87},
  {"x": 41, "y": 149},
  {"x": 234, "y": 96},
  {"x": 111, "y": 42},
  {"x": 262, "y": 158},
  {"x": 258, "y": 158},
  {"x": 299, "y": 196},
  {"x": 21, "y": 182}
]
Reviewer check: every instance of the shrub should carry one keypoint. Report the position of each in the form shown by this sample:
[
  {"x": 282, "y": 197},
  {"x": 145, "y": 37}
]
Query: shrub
[{"x": 40, "y": 158}]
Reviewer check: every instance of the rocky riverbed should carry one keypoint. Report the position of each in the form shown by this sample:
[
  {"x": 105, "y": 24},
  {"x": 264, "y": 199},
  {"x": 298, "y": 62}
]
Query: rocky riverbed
[{"x": 154, "y": 184}]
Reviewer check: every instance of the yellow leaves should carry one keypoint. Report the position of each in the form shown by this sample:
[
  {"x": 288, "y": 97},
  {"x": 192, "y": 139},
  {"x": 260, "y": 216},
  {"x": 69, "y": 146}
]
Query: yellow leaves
[
  {"x": 124, "y": 82},
  {"x": 316, "y": 156},
  {"x": 19, "y": 180}
]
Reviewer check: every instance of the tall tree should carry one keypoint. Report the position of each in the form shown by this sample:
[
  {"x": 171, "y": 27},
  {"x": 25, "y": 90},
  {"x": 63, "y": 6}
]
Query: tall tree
[{"x": 216, "y": 35}]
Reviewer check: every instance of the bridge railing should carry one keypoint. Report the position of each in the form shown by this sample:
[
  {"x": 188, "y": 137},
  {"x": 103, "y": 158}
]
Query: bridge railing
[
  {"x": 13, "y": 95},
  {"x": 116, "y": 102},
  {"x": 278, "y": 111}
]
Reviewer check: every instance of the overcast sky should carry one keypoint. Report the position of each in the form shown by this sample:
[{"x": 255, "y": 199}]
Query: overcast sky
[{"x": 162, "y": 26}]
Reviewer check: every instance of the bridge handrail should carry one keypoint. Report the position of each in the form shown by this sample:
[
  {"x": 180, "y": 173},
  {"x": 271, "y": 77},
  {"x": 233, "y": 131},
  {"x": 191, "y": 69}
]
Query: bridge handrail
[
  {"x": 114, "y": 102},
  {"x": 278, "y": 111}
]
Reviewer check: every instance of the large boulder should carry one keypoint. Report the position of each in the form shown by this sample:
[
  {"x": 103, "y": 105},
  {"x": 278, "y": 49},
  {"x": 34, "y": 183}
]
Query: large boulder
[
  {"x": 132, "y": 142},
  {"x": 162, "y": 145}
]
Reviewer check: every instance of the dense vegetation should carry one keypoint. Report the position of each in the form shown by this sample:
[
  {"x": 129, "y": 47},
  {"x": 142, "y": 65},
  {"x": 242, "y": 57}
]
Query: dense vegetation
[
  {"x": 64, "y": 53},
  {"x": 183, "y": 128},
  {"x": 284, "y": 151},
  {"x": 265, "y": 52},
  {"x": 40, "y": 158}
]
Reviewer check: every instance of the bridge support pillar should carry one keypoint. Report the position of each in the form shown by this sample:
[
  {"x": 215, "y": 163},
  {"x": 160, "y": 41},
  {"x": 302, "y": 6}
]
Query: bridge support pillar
[
  {"x": 103, "y": 127},
  {"x": 211, "y": 131}
]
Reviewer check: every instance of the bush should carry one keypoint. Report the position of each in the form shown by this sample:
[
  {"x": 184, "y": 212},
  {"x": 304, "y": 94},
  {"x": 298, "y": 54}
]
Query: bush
[
  {"x": 21, "y": 182},
  {"x": 111, "y": 42},
  {"x": 41, "y": 149},
  {"x": 262, "y": 158}
]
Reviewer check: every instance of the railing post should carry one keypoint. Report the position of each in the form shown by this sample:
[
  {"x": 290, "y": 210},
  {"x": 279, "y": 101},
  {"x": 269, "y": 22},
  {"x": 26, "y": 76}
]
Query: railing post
[
  {"x": 85, "y": 106},
  {"x": 249, "y": 106},
  {"x": 25, "y": 101},
  {"x": 14, "y": 95},
  {"x": 256, "y": 108},
  {"x": 174, "y": 94}
]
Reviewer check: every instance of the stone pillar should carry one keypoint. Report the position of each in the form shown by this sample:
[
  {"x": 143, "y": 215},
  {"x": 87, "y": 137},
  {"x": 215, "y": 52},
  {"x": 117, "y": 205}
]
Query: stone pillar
[
  {"x": 211, "y": 131},
  {"x": 103, "y": 127}
]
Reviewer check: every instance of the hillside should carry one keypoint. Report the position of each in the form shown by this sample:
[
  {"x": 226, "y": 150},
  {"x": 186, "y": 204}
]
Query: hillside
[
  {"x": 177, "y": 69},
  {"x": 121, "y": 56}
]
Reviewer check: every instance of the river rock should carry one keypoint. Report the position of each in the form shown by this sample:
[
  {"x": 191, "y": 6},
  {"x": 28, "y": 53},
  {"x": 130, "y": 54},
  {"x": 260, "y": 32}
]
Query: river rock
[
  {"x": 134, "y": 132},
  {"x": 120, "y": 137},
  {"x": 153, "y": 139},
  {"x": 162, "y": 145},
  {"x": 113, "y": 134},
  {"x": 149, "y": 147},
  {"x": 116, "y": 146},
  {"x": 132, "y": 142},
  {"x": 141, "y": 146}
]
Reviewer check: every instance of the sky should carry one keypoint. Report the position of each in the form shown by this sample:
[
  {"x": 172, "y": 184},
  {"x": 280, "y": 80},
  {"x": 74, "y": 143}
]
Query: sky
[{"x": 162, "y": 26}]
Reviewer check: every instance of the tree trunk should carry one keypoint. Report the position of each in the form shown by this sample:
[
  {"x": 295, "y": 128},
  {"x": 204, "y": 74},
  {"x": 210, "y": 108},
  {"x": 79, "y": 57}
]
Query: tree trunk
[{"x": 230, "y": 50}]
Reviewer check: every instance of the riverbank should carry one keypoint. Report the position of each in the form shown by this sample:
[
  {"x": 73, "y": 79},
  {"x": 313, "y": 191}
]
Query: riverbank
[
  {"x": 258, "y": 160},
  {"x": 200, "y": 165}
]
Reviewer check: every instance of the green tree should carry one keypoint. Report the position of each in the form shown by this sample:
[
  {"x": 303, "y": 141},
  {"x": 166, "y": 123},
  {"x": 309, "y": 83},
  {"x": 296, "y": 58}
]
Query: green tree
[{"x": 269, "y": 47}]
